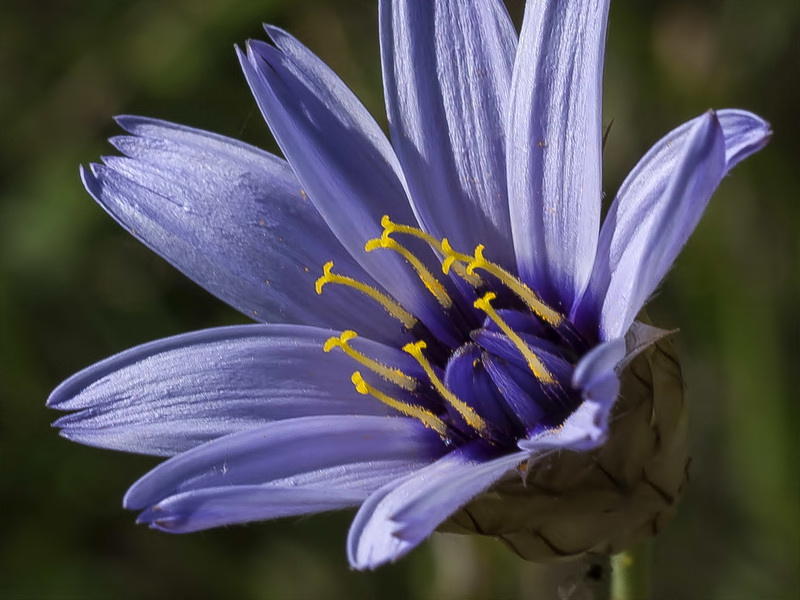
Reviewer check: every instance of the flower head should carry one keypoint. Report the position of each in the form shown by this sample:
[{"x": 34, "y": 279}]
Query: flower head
[{"x": 439, "y": 315}]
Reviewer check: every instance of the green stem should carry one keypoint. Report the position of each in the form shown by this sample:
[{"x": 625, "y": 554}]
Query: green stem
[{"x": 630, "y": 574}]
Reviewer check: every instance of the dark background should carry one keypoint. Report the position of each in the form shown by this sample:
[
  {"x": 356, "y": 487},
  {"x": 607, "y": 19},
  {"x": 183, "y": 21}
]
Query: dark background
[{"x": 75, "y": 288}]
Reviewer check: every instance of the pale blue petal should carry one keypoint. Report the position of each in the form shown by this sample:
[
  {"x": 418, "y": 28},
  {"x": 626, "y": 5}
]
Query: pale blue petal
[
  {"x": 333, "y": 488},
  {"x": 598, "y": 363},
  {"x": 342, "y": 159},
  {"x": 396, "y": 518},
  {"x": 655, "y": 229},
  {"x": 644, "y": 193},
  {"x": 584, "y": 430},
  {"x": 447, "y": 74},
  {"x": 168, "y": 396},
  {"x": 554, "y": 145},
  {"x": 308, "y": 448},
  {"x": 588, "y": 426},
  {"x": 234, "y": 219},
  {"x": 215, "y": 507}
]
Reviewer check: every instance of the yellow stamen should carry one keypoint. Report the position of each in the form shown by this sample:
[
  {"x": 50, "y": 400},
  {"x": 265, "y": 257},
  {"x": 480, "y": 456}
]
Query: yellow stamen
[
  {"x": 425, "y": 416},
  {"x": 453, "y": 258},
  {"x": 392, "y": 307},
  {"x": 390, "y": 374},
  {"x": 433, "y": 285},
  {"x": 389, "y": 227},
  {"x": 526, "y": 294},
  {"x": 534, "y": 363},
  {"x": 465, "y": 410},
  {"x": 453, "y": 261}
]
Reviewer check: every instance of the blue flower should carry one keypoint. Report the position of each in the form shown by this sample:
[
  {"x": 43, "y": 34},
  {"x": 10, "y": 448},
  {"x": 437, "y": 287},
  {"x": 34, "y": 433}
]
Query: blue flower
[{"x": 436, "y": 313}]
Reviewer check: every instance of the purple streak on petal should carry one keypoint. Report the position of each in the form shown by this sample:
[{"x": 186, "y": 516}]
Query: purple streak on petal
[
  {"x": 534, "y": 404},
  {"x": 554, "y": 145},
  {"x": 519, "y": 389},
  {"x": 644, "y": 192},
  {"x": 342, "y": 159},
  {"x": 307, "y": 448},
  {"x": 498, "y": 343},
  {"x": 233, "y": 219},
  {"x": 447, "y": 74},
  {"x": 215, "y": 507},
  {"x": 467, "y": 378},
  {"x": 521, "y": 322},
  {"x": 653, "y": 231},
  {"x": 396, "y": 518},
  {"x": 167, "y": 396}
]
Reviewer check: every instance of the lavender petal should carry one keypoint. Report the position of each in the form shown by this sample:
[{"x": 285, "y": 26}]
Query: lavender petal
[
  {"x": 644, "y": 192},
  {"x": 663, "y": 223},
  {"x": 171, "y": 395},
  {"x": 447, "y": 74},
  {"x": 232, "y": 218},
  {"x": 342, "y": 159},
  {"x": 396, "y": 518},
  {"x": 293, "y": 452},
  {"x": 554, "y": 145}
]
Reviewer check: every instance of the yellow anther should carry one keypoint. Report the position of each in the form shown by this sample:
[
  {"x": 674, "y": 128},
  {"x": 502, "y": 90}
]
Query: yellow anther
[
  {"x": 534, "y": 363},
  {"x": 453, "y": 260},
  {"x": 341, "y": 341},
  {"x": 392, "y": 307},
  {"x": 523, "y": 292},
  {"x": 430, "y": 282},
  {"x": 465, "y": 410},
  {"x": 425, "y": 416},
  {"x": 390, "y": 227},
  {"x": 452, "y": 257},
  {"x": 390, "y": 374}
]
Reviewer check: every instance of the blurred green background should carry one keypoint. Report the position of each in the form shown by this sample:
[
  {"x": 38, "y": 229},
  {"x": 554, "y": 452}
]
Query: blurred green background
[{"x": 75, "y": 288}]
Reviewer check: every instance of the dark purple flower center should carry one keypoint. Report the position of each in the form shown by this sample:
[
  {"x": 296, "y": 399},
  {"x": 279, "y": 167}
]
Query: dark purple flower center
[{"x": 501, "y": 373}]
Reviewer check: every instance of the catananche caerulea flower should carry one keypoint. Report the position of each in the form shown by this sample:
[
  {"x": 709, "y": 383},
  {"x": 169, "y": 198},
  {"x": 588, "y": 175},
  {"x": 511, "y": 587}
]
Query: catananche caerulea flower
[{"x": 437, "y": 313}]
